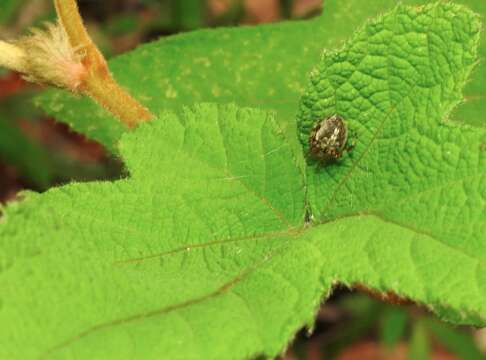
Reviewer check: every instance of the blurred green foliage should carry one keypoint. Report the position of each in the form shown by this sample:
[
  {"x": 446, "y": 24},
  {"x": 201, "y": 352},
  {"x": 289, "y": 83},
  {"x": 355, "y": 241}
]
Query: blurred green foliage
[
  {"x": 8, "y": 9},
  {"x": 31, "y": 159},
  {"x": 458, "y": 342},
  {"x": 419, "y": 347},
  {"x": 362, "y": 318},
  {"x": 189, "y": 14},
  {"x": 393, "y": 325}
]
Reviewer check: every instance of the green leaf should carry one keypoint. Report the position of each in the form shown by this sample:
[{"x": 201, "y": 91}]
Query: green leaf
[
  {"x": 456, "y": 341},
  {"x": 474, "y": 107},
  {"x": 394, "y": 323},
  {"x": 186, "y": 258},
  {"x": 415, "y": 177},
  {"x": 189, "y": 14},
  {"x": 262, "y": 67},
  {"x": 204, "y": 253},
  {"x": 419, "y": 348}
]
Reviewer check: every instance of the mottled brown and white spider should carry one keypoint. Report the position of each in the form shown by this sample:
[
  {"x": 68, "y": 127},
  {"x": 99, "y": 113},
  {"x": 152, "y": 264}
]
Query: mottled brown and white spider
[{"x": 327, "y": 140}]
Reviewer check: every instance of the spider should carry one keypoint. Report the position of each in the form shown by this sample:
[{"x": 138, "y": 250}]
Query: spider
[{"x": 328, "y": 140}]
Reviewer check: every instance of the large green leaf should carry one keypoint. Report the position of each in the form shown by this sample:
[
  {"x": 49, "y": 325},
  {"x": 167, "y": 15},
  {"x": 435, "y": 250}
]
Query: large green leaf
[
  {"x": 473, "y": 110},
  {"x": 411, "y": 172},
  {"x": 204, "y": 253},
  {"x": 395, "y": 84},
  {"x": 183, "y": 260}
]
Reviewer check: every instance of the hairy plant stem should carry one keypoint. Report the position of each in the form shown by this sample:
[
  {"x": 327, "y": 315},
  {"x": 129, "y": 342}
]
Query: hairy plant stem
[
  {"x": 12, "y": 57},
  {"x": 98, "y": 84}
]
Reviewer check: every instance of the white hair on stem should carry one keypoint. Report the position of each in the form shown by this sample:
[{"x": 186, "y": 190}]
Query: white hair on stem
[
  {"x": 12, "y": 57},
  {"x": 51, "y": 59},
  {"x": 46, "y": 57}
]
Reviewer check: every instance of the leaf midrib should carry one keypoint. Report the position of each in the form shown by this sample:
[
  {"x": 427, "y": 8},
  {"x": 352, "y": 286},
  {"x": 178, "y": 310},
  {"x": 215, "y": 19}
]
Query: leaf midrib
[{"x": 221, "y": 290}]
